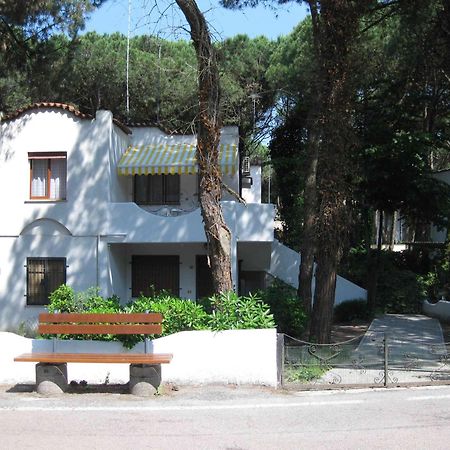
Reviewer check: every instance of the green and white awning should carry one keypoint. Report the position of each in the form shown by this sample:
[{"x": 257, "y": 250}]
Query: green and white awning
[{"x": 157, "y": 159}]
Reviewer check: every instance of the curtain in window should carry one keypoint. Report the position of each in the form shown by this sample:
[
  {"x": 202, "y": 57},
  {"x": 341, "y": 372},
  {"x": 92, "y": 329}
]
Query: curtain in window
[
  {"x": 58, "y": 179},
  {"x": 172, "y": 188},
  {"x": 39, "y": 169}
]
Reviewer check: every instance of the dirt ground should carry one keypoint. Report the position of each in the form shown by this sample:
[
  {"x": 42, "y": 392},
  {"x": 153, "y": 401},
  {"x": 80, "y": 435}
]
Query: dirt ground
[{"x": 344, "y": 332}]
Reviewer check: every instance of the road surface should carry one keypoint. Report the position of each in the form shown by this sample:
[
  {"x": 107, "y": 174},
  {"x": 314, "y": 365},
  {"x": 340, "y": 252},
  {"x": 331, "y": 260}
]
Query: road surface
[{"x": 221, "y": 417}]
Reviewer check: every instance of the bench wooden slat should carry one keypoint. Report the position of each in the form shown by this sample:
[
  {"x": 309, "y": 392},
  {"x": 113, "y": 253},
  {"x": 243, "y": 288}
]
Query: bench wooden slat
[
  {"x": 72, "y": 328},
  {"x": 100, "y": 318},
  {"x": 131, "y": 358}
]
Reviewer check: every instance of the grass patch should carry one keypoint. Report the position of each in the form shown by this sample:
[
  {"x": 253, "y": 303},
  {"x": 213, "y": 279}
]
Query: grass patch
[{"x": 305, "y": 374}]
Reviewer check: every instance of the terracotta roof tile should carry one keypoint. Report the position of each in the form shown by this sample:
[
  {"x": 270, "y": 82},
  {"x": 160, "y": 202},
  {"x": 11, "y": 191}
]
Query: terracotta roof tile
[{"x": 64, "y": 106}]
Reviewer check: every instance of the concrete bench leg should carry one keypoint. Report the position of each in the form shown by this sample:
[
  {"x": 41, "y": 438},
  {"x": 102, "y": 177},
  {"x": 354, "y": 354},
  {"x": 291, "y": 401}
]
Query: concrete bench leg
[
  {"x": 51, "y": 378},
  {"x": 144, "y": 379}
]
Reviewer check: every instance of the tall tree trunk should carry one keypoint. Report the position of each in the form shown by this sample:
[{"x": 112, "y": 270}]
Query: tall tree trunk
[
  {"x": 322, "y": 317},
  {"x": 307, "y": 244},
  {"x": 335, "y": 32},
  {"x": 218, "y": 234}
]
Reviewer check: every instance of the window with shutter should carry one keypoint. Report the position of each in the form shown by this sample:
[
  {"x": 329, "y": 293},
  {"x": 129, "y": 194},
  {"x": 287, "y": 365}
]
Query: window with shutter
[
  {"x": 44, "y": 275},
  {"x": 150, "y": 273}
]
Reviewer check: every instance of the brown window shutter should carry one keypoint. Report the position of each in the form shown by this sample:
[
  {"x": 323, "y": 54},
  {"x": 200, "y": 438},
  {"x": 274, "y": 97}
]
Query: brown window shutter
[{"x": 151, "y": 273}]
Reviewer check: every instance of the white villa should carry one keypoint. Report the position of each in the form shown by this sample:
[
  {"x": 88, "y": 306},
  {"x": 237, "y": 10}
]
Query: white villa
[{"x": 88, "y": 201}]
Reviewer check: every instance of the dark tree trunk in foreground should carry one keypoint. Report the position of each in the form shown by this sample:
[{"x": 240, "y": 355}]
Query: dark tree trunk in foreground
[
  {"x": 335, "y": 30},
  {"x": 217, "y": 232},
  {"x": 307, "y": 244}
]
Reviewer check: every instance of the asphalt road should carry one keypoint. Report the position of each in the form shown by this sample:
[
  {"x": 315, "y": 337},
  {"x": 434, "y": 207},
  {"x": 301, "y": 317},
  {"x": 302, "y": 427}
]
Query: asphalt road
[{"x": 222, "y": 417}]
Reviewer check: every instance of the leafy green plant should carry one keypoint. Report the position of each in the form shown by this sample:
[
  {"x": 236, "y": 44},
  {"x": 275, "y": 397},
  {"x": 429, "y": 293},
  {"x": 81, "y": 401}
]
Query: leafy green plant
[
  {"x": 229, "y": 311},
  {"x": 62, "y": 299},
  {"x": 179, "y": 314},
  {"x": 351, "y": 311},
  {"x": 233, "y": 312},
  {"x": 286, "y": 308},
  {"x": 305, "y": 373}
]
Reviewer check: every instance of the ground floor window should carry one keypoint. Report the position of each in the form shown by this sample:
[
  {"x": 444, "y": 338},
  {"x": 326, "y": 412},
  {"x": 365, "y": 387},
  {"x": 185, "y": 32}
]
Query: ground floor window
[
  {"x": 151, "y": 273},
  {"x": 44, "y": 275}
]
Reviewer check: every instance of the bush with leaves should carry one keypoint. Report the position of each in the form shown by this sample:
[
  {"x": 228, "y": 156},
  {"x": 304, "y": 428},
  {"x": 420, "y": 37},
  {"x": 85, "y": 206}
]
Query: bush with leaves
[
  {"x": 351, "y": 311},
  {"x": 178, "y": 314},
  {"x": 230, "y": 311},
  {"x": 286, "y": 308},
  {"x": 65, "y": 299}
]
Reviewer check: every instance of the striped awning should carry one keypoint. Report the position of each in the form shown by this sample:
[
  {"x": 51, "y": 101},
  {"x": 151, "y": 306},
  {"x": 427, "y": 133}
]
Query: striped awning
[{"x": 156, "y": 159}]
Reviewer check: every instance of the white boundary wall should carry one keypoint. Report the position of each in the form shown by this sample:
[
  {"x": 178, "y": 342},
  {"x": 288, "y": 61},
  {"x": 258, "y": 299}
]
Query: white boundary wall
[
  {"x": 200, "y": 357},
  {"x": 439, "y": 310}
]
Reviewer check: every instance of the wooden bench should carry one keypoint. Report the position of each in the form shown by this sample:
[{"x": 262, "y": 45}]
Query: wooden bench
[{"x": 145, "y": 368}]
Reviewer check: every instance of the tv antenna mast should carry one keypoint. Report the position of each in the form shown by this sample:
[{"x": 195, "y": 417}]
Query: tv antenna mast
[{"x": 127, "y": 108}]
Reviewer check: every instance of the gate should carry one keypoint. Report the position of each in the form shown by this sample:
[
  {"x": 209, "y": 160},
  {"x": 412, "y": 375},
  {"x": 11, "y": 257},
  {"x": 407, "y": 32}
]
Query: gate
[{"x": 373, "y": 359}]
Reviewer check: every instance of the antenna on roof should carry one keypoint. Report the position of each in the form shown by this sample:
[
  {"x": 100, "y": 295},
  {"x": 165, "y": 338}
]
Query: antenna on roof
[{"x": 128, "y": 60}]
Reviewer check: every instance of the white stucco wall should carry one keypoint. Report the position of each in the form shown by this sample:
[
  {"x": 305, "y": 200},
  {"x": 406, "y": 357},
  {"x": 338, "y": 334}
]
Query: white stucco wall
[
  {"x": 439, "y": 310},
  {"x": 233, "y": 356},
  {"x": 252, "y": 194}
]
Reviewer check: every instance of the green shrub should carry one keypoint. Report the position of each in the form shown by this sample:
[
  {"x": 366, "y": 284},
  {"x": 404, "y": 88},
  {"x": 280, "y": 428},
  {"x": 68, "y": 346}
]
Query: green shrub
[
  {"x": 63, "y": 300},
  {"x": 178, "y": 314},
  {"x": 351, "y": 310},
  {"x": 286, "y": 308},
  {"x": 229, "y": 311},
  {"x": 400, "y": 283},
  {"x": 233, "y": 312},
  {"x": 399, "y": 292}
]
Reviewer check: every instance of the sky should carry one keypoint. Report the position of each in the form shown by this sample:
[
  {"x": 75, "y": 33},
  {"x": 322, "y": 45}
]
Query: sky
[{"x": 168, "y": 22}]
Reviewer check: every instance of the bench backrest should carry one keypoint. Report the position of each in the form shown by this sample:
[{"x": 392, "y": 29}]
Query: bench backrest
[{"x": 80, "y": 323}]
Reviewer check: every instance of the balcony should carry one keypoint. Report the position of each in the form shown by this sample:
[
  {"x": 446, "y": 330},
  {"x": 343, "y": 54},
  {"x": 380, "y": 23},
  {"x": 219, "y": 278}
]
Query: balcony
[{"x": 252, "y": 222}]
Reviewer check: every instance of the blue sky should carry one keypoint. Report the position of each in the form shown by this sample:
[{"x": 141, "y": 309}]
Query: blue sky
[{"x": 167, "y": 21}]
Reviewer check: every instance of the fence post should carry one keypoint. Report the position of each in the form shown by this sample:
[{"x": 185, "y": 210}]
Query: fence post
[
  {"x": 386, "y": 358},
  {"x": 280, "y": 357}
]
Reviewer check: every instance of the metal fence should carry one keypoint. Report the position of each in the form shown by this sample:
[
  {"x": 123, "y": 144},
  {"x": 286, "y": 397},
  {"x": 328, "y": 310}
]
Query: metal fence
[{"x": 374, "y": 359}]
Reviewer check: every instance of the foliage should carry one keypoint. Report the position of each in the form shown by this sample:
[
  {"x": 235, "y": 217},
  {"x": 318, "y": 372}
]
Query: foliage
[
  {"x": 437, "y": 280},
  {"x": 351, "y": 311},
  {"x": 401, "y": 286},
  {"x": 305, "y": 373},
  {"x": 179, "y": 315},
  {"x": 65, "y": 299},
  {"x": 286, "y": 308},
  {"x": 229, "y": 311},
  {"x": 287, "y": 152}
]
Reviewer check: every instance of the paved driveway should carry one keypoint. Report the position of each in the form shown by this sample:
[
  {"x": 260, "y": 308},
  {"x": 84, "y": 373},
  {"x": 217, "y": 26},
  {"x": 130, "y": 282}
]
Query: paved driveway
[{"x": 416, "y": 353}]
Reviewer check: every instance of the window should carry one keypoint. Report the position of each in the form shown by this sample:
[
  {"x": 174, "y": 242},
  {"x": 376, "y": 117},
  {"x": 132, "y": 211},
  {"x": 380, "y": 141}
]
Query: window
[
  {"x": 162, "y": 272},
  {"x": 157, "y": 189},
  {"x": 48, "y": 175},
  {"x": 44, "y": 275}
]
